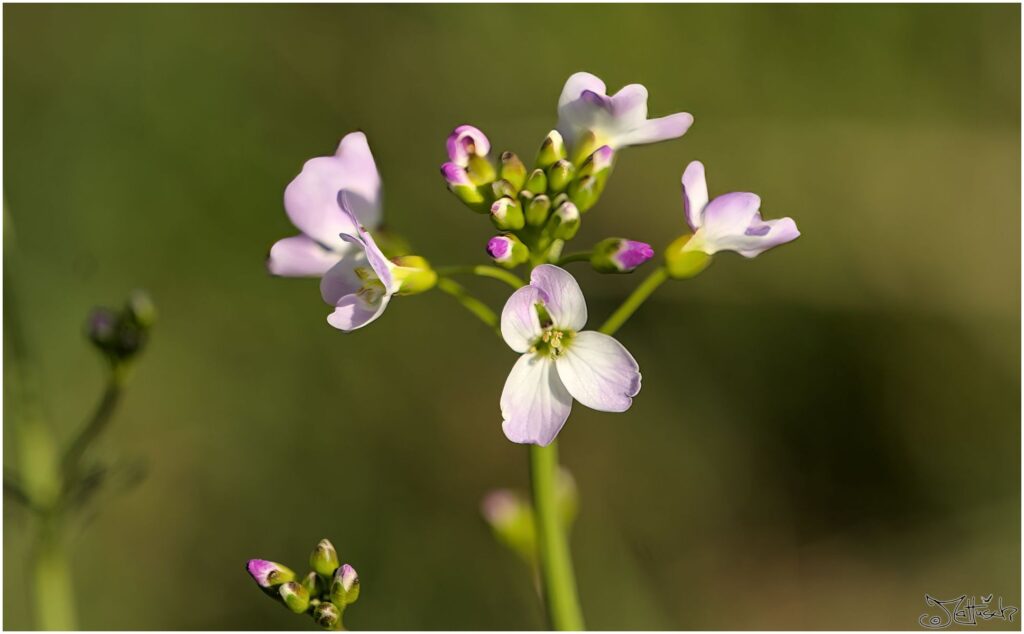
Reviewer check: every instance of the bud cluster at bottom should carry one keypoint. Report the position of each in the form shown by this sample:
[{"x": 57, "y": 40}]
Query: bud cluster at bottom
[{"x": 323, "y": 593}]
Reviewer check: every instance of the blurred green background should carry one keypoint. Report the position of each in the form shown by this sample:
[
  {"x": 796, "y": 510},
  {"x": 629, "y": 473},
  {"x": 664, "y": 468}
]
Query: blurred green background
[{"x": 824, "y": 435}]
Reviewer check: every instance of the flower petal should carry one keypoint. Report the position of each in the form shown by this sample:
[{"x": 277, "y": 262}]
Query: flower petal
[
  {"x": 300, "y": 256},
  {"x": 730, "y": 215},
  {"x": 352, "y": 312},
  {"x": 520, "y": 324},
  {"x": 760, "y": 236},
  {"x": 576, "y": 84},
  {"x": 695, "y": 194},
  {"x": 662, "y": 129},
  {"x": 311, "y": 199},
  {"x": 534, "y": 403},
  {"x": 341, "y": 279},
  {"x": 380, "y": 264},
  {"x": 563, "y": 298},
  {"x": 629, "y": 105},
  {"x": 599, "y": 372}
]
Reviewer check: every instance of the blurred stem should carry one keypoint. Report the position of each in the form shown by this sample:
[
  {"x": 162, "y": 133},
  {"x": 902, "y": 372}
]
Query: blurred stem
[
  {"x": 471, "y": 303},
  {"x": 54, "y": 604},
  {"x": 559, "y": 581},
  {"x": 635, "y": 300},
  {"x": 581, "y": 256},
  {"x": 484, "y": 270},
  {"x": 100, "y": 420}
]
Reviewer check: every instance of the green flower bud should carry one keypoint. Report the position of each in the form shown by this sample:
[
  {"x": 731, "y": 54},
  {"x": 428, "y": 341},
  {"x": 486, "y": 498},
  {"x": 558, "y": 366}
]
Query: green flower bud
[
  {"x": 507, "y": 214},
  {"x": 598, "y": 163},
  {"x": 513, "y": 170},
  {"x": 313, "y": 584},
  {"x": 295, "y": 596},
  {"x": 584, "y": 192},
  {"x": 538, "y": 182},
  {"x": 565, "y": 222},
  {"x": 503, "y": 189},
  {"x": 269, "y": 574},
  {"x": 414, "y": 275},
  {"x": 345, "y": 587},
  {"x": 324, "y": 559},
  {"x": 585, "y": 147},
  {"x": 141, "y": 309},
  {"x": 683, "y": 264},
  {"x": 537, "y": 211},
  {"x": 551, "y": 151},
  {"x": 480, "y": 170},
  {"x": 460, "y": 184},
  {"x": 511, "y": 519},
  {"x": 328, "y": 616},
  {"x": 560, "y": 175}
]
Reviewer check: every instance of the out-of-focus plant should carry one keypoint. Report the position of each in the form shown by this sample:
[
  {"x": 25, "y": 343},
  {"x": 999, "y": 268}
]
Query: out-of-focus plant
[
  {"x": 56, "y": 481},
  {"x": 335, "y": 203}
]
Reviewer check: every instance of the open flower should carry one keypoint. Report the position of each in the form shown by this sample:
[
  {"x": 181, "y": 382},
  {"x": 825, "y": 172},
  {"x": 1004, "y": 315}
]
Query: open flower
[
  {"x": 311, "y": 202},
  {"x": 730, "y": 222},
  {"x": 559, "y": 363},
  {"x": 617, "y": 121}
]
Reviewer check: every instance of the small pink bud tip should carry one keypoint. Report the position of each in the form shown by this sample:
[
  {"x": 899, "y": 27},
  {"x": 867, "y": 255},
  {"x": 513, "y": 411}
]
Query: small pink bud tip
[
  {"x": 499, "y": 247},
  {"x": 632, "y": 254},
  {"x": 498, "y": 506},
  {"x": 455, "y": 175},
  {"x": 466, "y": 141}
]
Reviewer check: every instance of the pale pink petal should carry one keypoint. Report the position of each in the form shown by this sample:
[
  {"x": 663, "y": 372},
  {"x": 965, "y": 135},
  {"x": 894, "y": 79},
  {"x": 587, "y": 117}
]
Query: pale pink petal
[
  {"x": 520, "y": 324},
  {"x": 534, "y": 403},
  {"x": 599, "y": 372},
  {"x": 563, "y": 298},
  {"x": 300, "y": 256},
  {"x": 352, "y": 312},
  {"x": 671, "y": 127},
  {"x": 695, "y": 194},
  {"x": 760, "y": 236},
  {"x": 380, "y": 264},
  {"x": 576, "y": 84},
  {"x": 729, "y": 214}
]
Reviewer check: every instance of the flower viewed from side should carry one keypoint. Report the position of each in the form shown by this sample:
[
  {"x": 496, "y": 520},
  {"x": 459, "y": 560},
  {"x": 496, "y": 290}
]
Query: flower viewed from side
[
  {"x": 311, "y": 202},
  {"x": 465, "y": 142},
  {"x": 619, "y": 120},
  {"x": 730, "y": 222},
  {"x": 559, "y": 362}
]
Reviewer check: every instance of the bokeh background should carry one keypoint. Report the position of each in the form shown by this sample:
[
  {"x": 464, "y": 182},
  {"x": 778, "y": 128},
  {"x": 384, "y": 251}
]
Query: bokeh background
[{"x": 825, "y": 434}]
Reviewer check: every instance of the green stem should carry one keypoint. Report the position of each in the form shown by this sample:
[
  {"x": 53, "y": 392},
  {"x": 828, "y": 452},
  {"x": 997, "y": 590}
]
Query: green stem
[
  {"x": 581, "y": 256},
  {"x": 559, "y": 581},
  {"x": 100, "y": 420},
  {"x": 635, "y": 300},
  {"x": 483, "y": 270},
  {"x": 51, "y": 577},
  {"x": 471, "y": 303}
]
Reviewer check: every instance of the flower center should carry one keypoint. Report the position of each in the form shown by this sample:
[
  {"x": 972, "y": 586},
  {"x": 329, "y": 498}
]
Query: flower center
[
  {"x": 372, "y": 289},
  {"x": 552, "y": 343}
]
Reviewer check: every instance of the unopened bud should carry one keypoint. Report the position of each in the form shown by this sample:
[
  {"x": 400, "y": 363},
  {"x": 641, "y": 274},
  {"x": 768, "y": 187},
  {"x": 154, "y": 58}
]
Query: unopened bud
[
  {"x": 511, "y": 519},
  {"x": 467, "y": 141},
  {"x": 537, "y": 211},
  {"x": 584, "y": 192},
  {"x": 565, "y": 222},
  {"x": 598, "y": 163},
  {"x": 480, "y": 170},
  {"x": 538, "y": 182},
  {"x": 101, "y": 327},
  {"x": 414, "y": 275},
  {"x": 585, "y": 146},
  {"x": 464, "y": 189},
  {"x": 551, "y": 150},
  {"x": 345, "y": 587},
  {"x": 324, "y": 558},
  {"x": 507, "y": 214},
  {"x": 683, "y": 263},
  {"x": 560, "y": 175},
  {"x": 618, "y": 255},
  {"x": 513, "y": 170},
  {"x": 269, "y": 574},
  {"x": 502, "y": 188},
  {"x": 507, "y": 250},
  {"x": 328, "y": 616},
  {"x": 313, "y": 584},
  {"x": 295, "y": 596},
  {"x": 141, "y": 309}
]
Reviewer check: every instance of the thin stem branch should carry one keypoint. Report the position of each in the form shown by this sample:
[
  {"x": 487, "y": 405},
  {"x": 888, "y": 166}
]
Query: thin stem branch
[
  {"x": 99, "y": 421},
  {"x": 469, "y": 302},
  {"x": 580, "y": 256},
  {"x": 483, "y": 270},
  {"x": 559, "y": 581},
  {"x": 635, "y": 300}
]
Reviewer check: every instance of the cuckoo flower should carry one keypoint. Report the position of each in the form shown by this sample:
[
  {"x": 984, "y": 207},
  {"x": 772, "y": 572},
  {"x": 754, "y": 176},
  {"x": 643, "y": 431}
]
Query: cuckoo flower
[
  {"x": 542, "y": 321},
  {"x": 311, "y": 202},
  {"x": 618, "y": 121},
  {"x": 730, "y": 222},
  {"x": 465, "y": 142}
]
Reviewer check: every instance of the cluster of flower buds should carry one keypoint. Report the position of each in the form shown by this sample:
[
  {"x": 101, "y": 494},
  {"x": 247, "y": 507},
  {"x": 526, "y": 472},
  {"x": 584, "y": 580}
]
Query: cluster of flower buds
[
  {"x": 122, "y": 334},
  {"x": 536, "y": 209},
  {"x": 323, "y": 593}
]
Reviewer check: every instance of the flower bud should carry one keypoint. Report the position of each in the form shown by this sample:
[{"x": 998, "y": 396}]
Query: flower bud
[
  {"x": 101, "y": 327},
  {"x": 565, "y": 222},
  {"x": 507, "y": 250},
  {"x": 683, "y": 264},
  {"x": 328, "y": 616},
  {"x": 414, "y": 275},
  {"x": 537, "y": 211},
  {"x": 584, "y": 192},
  {"x": 141, "y": 309},
  {"x": 511, "y": 520},
  {"x": 295, "y": 596},
  {"x": 480, "y": 170},
  {"x": 585, "y": 146},
  {"x": 502, "y": 189},
  {"x": 464, "y": 189},
  {"x": 618, "y": 255},
  {"x": 269, "y": 574},
  {"x": 465, "y": 142},
  {"x": 599, "y": 163},
  {"x": 513, "y": 170},
  {"x": 345, "y": 587},
  {"x": 507, "y": 214},
  {"x": 551, "y": 151},
  {"x": 313, "y": 584},
  {"x": 324, "y": 558},
  {"x": 560, "y": 175},
  {"x": 538, "y": 182}
]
